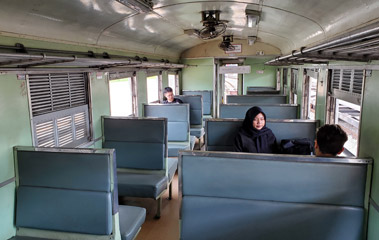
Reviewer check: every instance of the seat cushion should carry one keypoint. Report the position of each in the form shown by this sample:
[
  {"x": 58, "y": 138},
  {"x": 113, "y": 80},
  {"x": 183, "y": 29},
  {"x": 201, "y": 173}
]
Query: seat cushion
[
  {"x": 172, "y": 165},
  {"x": 131, "y": 220},
  {"x": 197, "y": 131},
  {"x": 175, "y": 147},
  {"x": 140, "y": 185}
]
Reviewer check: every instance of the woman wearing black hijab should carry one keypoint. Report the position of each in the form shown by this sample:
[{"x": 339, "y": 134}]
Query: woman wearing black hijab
[{"x": 254, "y": 136}]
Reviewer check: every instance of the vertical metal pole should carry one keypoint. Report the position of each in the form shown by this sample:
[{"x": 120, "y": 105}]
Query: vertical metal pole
[{"x": 215, "y": 88}]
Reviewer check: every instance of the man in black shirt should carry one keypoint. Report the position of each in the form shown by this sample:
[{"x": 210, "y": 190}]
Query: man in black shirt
[{"x": 169, "y": 95}]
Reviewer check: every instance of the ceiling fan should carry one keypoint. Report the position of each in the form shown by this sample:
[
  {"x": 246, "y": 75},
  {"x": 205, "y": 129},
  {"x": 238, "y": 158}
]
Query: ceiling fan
[{"x": 213, "y": 26}]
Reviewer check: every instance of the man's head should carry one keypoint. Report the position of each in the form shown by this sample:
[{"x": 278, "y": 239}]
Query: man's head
[
  {"x": 168, "y": 93},
  {"x": 330, "y": 139}
]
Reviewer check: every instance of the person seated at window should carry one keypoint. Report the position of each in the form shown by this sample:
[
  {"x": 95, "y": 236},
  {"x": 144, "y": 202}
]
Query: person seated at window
[
  {"x": 169, "y": 95},
  {"x": 254, "y": 136},
  {"x": 330, "y": 139}
]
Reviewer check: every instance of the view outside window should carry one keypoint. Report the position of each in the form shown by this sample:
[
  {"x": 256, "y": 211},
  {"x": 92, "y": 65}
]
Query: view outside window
[
  {"x": 121, "y": 97},
  {"x": 348, "y": 117},
  {"x": 231, "y": 82},
  {"x": 172, "y": 82},
  {"x": 312, "y": 98},
  {"x": 152, "y": 89}
]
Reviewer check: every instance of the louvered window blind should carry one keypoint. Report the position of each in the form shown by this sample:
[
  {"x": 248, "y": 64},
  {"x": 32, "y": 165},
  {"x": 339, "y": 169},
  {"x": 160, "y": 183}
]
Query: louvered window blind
[
  {"x": 347, "y": 84},
  {"x": 59, "y": 109}
]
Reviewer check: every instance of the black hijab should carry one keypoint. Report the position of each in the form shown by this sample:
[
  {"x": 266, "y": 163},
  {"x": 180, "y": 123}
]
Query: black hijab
[
  {"x": 250, "y": 139},
  {"x": 247, "y": 125}
]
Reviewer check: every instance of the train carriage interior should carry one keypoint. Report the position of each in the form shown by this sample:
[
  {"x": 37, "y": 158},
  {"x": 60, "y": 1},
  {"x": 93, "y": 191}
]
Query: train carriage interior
[{"x": 88, "y": 150}]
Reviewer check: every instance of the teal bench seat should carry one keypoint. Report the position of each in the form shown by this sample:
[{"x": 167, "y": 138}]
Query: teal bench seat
[
  {"x": 67, "y": 193},
  {"x": 141, "y": 147},
  {"x": 270, "y": 197},
  {"x": 207, "y": 101},
  {"x": 196, "y": 113},
  {"x": 272, "y": 111},
  {"x": 178, "y": 118},
  {"x": 257, "y": 99},
  {"x": 220, "y": 133}
]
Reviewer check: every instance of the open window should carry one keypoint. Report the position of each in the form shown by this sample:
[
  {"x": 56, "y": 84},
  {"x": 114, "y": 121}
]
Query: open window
[
  {"x": 59, "y": 109},
  {"x": 122, "y": 95},
  {"x": 154, "y": 87},
  {"x": 309, "y": 94},
  {"x": 173, "y": 82},
  {"x": 344, "y": 104},
  {"x": 231, "y": 82}
]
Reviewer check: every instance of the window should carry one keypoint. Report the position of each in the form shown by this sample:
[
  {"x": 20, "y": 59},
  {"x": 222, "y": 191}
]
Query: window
[
  {"x": 173, "y": 83},
  {"x": 121, "y": 97},
  {"x": 309, "y": 94},
  {"x": 231, "y": 82},
  {"x": 59, "y": 108},
  {"x": 312, "y": 90},
  {"x": 153, "y": 89},
  {"x": 344, "y": 100},
  {"x": 348, "y": 116}
]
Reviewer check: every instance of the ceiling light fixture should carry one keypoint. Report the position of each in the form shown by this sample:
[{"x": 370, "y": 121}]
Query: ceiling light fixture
[
  {"x": 141, "y": 6},
  {"x": 253, "y": 17}
]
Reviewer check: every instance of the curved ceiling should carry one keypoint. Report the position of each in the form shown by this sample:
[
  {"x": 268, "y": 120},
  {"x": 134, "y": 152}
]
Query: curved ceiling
[{"x": 285, "y": 24}]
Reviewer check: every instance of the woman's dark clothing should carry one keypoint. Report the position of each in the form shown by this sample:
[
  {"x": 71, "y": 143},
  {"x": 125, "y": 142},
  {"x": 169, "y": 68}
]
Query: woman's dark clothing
[{"x": 250, "y": 139}]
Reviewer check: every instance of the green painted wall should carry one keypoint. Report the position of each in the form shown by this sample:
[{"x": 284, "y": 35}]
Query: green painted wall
[
  {"x": 265, "y": 79},
  {"x": 373, "y": 228},
  {"x": 369, "y": 138},
  {"x": 199, "y": 77},
  {"x": 7, "y": 205},
  {"x": 369, "y": 135},
  {"x": 15, "y": 130},
  {"x": 141, "y": 91},
  {"x": 299, "y": 88},
  {"x": 164, "y": 79},
  {"x": 100, "y": 103}
]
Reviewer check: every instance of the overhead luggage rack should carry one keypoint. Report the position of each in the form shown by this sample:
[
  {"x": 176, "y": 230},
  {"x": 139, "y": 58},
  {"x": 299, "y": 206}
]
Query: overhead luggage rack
[
  {"x": 16, "y": 58},
  {"x": 361, "y": 45}
]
